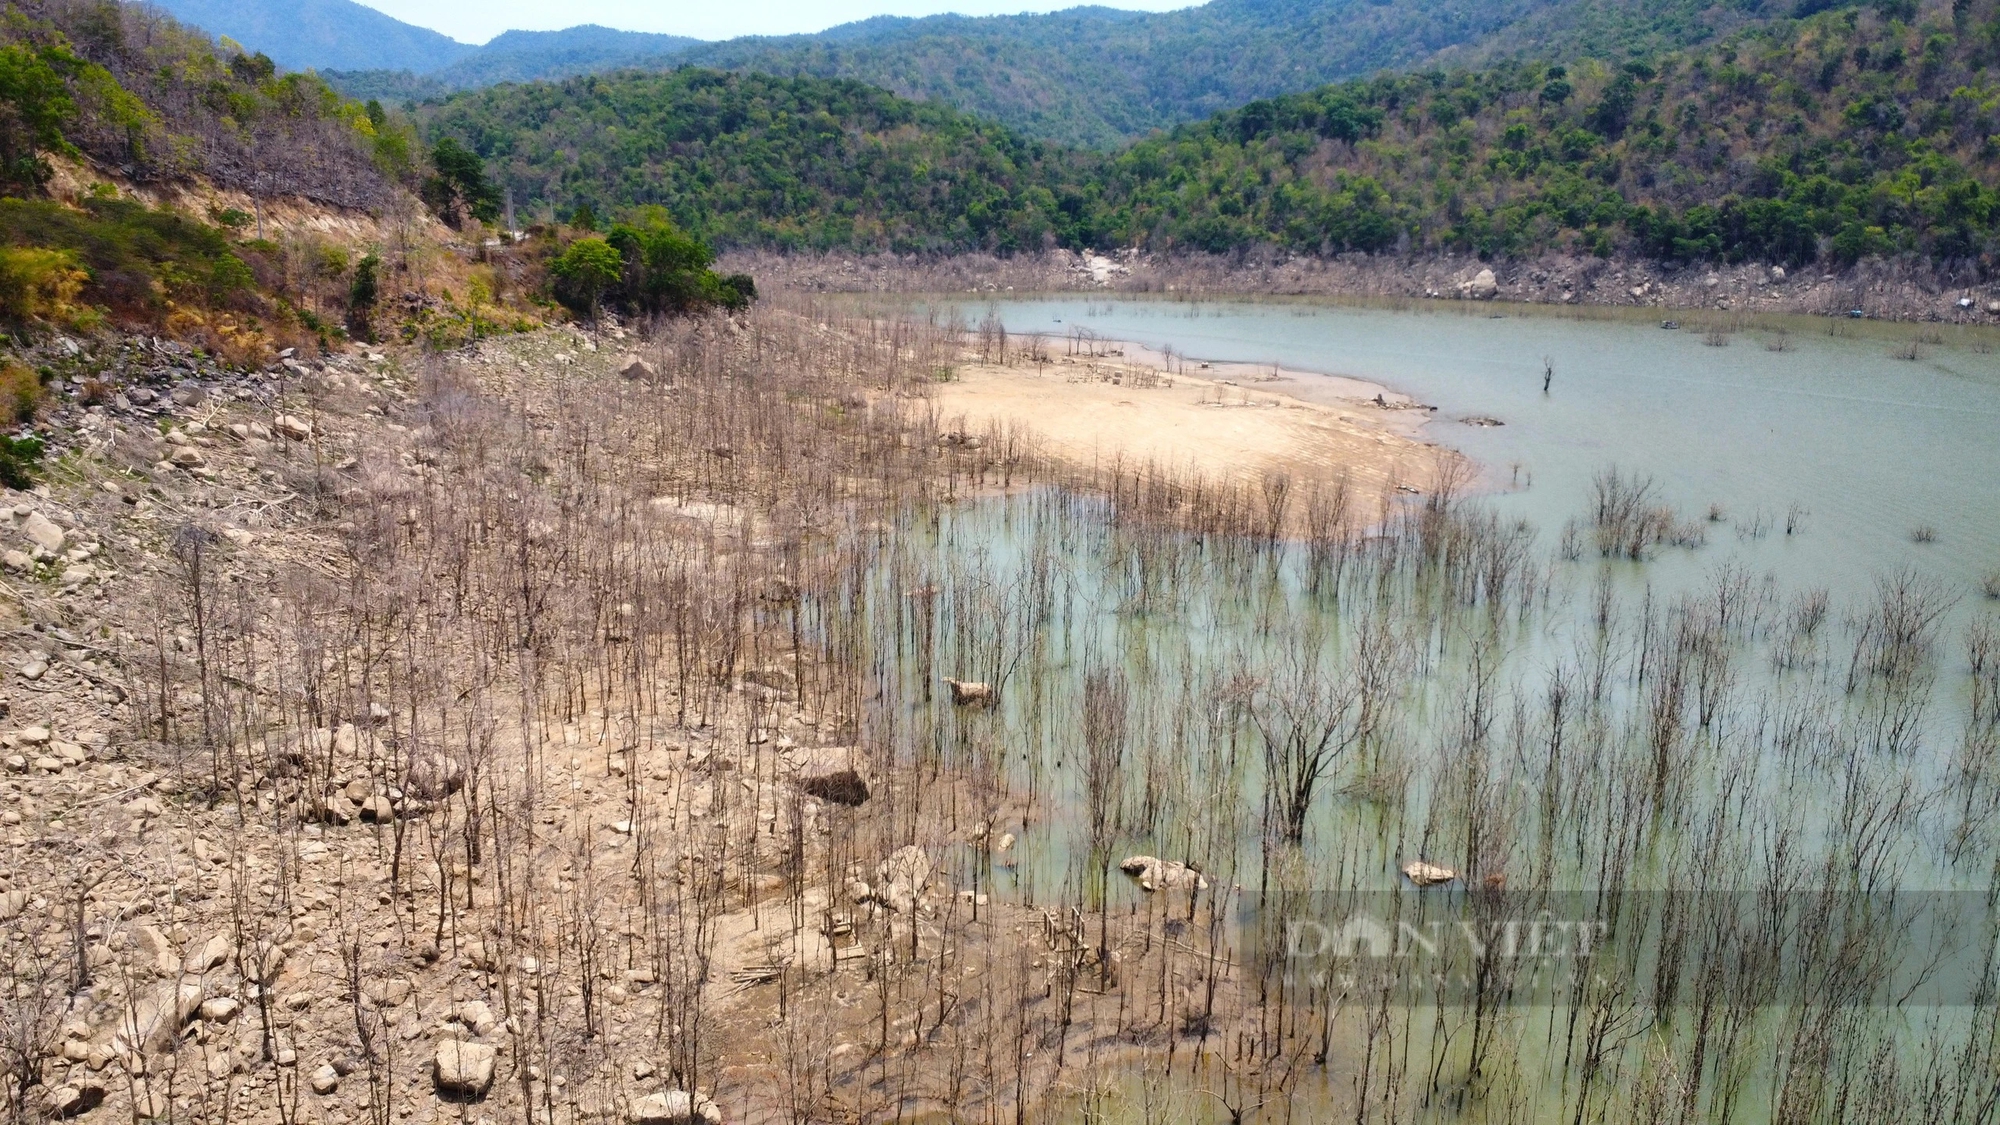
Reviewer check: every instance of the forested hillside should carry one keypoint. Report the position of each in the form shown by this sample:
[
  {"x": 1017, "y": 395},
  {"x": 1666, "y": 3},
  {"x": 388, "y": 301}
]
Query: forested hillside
[
  {"x": 1096, "y": 77},
  {"x": 1099, "y": 77},
  {"x": 1848, "y": 134},
  {"x": 1856, "y": 131},
  {"x": 136, "y": 91},
  {"x": 751, "y": 159}
]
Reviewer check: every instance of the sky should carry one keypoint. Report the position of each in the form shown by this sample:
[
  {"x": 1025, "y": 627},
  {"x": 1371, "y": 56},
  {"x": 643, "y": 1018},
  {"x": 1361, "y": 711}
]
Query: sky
[{"x": 476, "y": 21}]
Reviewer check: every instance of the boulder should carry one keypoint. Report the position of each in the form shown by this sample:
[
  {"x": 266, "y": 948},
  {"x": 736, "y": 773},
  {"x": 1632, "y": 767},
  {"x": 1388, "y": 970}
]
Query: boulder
[
  {"x": 220, "y": 1009},
  {"x": 1427, "y": 874},
  {"x": 325, "y": 1080},
  {"x": 292, "y": 426},
  {"x": 1156, "y": 874},
  {"x": 902, "y": 877},
  {"x": 75, "y": 1098},
  {"x": 42, "y": 532},
  {"x": 464, "y": 1069},
  {"x": 478, "y": 1016},
  {"x": 830, "y": 773},
  {"x": 972, "y": 693},
  {"x": 676, "y": 1107},
  {"x": 632, "y": 367},
  {"x": 213, "y": 954},
  {"x": 1483, "y": 286}
]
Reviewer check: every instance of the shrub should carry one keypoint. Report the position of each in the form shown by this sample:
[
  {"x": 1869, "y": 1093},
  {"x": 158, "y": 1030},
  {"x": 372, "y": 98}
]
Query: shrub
[
  {"x": 19, "y": 460},
  {"x": 584, "y": 271},
  {"x": 139, "y": 258},
  {"x": 20, "y": 392},
  {"x": 37, "y": 283}
]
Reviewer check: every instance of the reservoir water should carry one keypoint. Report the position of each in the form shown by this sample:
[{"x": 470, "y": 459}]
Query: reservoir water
[
  {"x": 1759, "y": 759},
  {"x": 1870, "y": 445}
]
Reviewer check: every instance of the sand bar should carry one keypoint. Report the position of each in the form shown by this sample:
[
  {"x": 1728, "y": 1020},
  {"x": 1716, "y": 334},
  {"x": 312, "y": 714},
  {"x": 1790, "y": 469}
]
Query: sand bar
[{"x": 1225, "y": 420}]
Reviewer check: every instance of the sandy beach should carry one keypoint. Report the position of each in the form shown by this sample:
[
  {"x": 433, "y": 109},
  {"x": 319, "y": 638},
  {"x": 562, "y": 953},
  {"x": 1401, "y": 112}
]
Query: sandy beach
[{"x": 1223, "y": 420}]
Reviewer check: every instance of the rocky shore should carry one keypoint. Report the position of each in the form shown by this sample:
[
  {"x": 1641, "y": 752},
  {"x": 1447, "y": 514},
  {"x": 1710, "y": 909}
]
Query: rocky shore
[{"x": 1874, "y": 289}]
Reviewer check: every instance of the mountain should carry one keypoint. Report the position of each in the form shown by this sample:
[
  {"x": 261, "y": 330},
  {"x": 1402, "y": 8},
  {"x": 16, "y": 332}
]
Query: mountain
[
  {"x": 321, "y": 34},
  {"x": 1098, "y": 77},
  {"x": 1087, "y": 76},
  {"x": 1855, "y": 132},
  {"x": 515, "y": 56},
  {"x": 523, "y": 56}
]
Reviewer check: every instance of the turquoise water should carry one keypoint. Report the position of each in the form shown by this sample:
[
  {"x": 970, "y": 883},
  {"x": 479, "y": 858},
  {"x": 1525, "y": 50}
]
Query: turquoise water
[
  {"x": 1798, "y": 774},
  {"x": 1870, "y": 446}
]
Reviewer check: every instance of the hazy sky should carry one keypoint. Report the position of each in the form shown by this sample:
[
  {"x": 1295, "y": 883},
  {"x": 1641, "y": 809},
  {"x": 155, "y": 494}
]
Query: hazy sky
[{"x": 475, "y": 21}]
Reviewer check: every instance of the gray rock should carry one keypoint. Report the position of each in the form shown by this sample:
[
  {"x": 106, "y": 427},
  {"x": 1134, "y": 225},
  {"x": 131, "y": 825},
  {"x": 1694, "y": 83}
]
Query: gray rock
[
  {"x": 1483, "y": 286},
  {"x": 325, "y": 1080},
  {"x": 42, "y": 532}
]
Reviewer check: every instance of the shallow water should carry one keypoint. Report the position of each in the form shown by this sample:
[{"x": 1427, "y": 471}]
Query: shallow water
[
  {"x": 1804, "y": 770},
  {"x": 1869, "y": 445}
]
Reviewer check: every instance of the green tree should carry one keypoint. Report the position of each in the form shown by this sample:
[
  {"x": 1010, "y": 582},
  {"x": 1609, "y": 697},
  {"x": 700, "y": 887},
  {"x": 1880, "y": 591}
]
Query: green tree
[
  {"x": 666, "y": 269},
  {"x": 363, "y": 295},
  {"x": 457, "y": 187},
  {"x": 35, "y": 108},
  {"x": 584, "y": 271}
]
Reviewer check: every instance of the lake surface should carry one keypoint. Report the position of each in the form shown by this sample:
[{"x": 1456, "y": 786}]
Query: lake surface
[
  {"x": 1719, "y": 755},
  {"x": 1868, "y": 445}
]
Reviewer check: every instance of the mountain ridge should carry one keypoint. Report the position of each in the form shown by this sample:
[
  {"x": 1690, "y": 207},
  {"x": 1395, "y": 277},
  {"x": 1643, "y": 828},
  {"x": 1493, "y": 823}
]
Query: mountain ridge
[{"x": 1090, "y": 76}]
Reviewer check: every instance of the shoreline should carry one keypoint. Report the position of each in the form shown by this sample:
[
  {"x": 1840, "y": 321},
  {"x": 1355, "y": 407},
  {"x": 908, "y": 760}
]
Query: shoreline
[
  {"x": 1122, "y": 404},
  {"x": 1883, "y": 291}
]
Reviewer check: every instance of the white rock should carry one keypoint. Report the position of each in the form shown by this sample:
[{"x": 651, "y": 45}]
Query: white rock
[
  {"x": 464, "y": 1069},
  {"x": 1427, "y": 874},
  {"x": 220, "y": 1009},
  {"x": 676, "y": 1107},
  {"x": 292, "y": 426}
]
